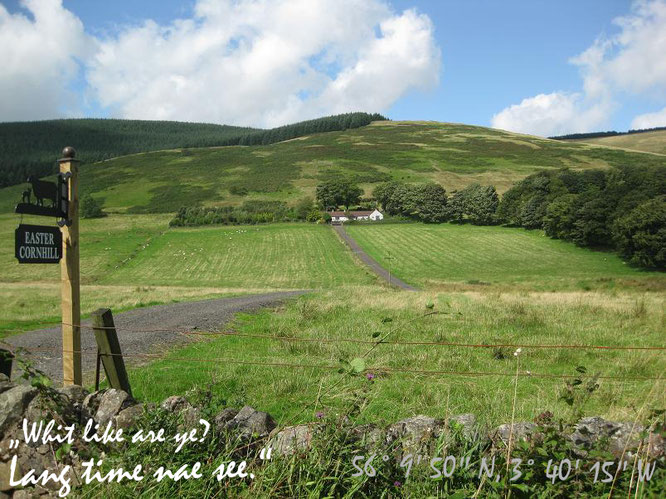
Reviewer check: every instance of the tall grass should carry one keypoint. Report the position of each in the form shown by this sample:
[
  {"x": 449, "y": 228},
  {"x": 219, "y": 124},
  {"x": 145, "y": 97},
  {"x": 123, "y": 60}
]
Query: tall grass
[{"x": 365, "y": 313}]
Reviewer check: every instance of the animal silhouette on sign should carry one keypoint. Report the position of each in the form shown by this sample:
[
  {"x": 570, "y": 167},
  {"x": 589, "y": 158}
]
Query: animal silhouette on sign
[
  {"x": 43, "y": 190},
  {"x": 26, "y": 196}
]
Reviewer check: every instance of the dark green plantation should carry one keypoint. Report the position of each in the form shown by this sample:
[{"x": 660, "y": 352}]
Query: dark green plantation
[
  {"x": 31, "y": 148},
  {"x": 28, "y": 148}
]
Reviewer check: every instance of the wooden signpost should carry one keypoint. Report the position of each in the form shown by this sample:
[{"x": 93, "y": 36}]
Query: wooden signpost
[
  {"x": 69, "y": 272},
  {"x": 43, "y": 244}
]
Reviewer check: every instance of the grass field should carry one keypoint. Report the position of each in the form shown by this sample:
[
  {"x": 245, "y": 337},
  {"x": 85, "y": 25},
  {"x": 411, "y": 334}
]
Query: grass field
[
  {"x": 538, "y": 292},
  {"x": 452, "y": 154},
  {"x": 105, "y": 244},
  {"x": 654, "y": 142},
  {"x": 135, "y": 260},
  {"x": 437, "y": 255},
  {"x": 468, "y": 317},
  {"x": 280, "y": 256},
  {"x": 492, "y": 285}
]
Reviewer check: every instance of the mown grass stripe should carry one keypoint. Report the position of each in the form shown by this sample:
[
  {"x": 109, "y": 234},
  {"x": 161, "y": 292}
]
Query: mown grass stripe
[{"x": 455, "y": 253}]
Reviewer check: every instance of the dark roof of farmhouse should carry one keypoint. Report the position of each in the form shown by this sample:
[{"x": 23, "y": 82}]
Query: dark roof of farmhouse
[{"x": 352, "y": 213}]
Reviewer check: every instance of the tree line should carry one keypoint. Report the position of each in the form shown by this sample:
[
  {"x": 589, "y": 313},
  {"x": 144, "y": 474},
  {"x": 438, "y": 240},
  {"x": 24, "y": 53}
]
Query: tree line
[
  {"x": 620, "y": 208},
  {"x": 612, "y": 133},
  {"x": 249, "y": 213},
  {"x": 32, "y": 148},
  {"x": 336, "y": 123}
]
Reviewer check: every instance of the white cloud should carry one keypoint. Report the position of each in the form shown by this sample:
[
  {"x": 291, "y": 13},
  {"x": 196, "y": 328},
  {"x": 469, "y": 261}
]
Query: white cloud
[
  {"x": 266, "y": 63},
  {"x": 632, "y": 61},
  {"x": 640, "y": 62},
  {"x": 39, "y": 60},
  {"x": 247, "y": 62},
  {"x": 649, "y": 120},
  {"x": 551, "y": 114}
]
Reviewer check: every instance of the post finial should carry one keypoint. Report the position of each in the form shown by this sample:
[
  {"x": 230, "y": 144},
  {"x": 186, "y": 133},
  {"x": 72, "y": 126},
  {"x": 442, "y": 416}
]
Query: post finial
[{"x": 68, "y": 152}]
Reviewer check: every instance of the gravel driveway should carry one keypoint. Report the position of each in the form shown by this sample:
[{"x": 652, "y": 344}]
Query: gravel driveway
[
  {"x": 205, "y": 315},
  {"x": 369, "y": 261}
]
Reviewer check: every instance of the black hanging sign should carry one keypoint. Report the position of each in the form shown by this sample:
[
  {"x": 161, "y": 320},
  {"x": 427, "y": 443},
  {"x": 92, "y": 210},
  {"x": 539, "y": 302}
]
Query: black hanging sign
[
  {"x": 38, "y": 244},
  {"x": 51, "y": 199}
]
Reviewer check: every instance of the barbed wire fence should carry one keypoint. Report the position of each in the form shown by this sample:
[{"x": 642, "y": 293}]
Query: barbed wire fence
[{"x": 655, "y": 351}]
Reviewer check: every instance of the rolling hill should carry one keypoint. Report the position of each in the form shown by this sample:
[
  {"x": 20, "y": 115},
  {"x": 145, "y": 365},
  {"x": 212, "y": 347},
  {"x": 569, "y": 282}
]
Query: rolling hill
[
  {"x": 453, "y": 155},
  {"x": 654, "y": 141},
  {"x": 29, "y": 148}
]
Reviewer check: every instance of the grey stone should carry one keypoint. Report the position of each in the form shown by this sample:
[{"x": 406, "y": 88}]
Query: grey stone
[
  {"x": 128, "y": 417},
  {"x": 521, "y": 431},
  {"x": 13, "y": 403},
  {"x": 4, "y": 476},
  {"x": 250, "y": 423},
  {"x": 31, "y": 493},
  {"x": 36, "y": 410},
  {"x": 626, "y": 438},
  {"x": 620, "y": 438},
  {"x": 224, "y": 417},
  {"x": 588, "y": 430},
  {"x": 174, "y": 403},
  {"x": 467, "y": 423},
  {"x": 417, "y": 434},
  {"x": 177, "y": 404},
  {"x": 191, "y": 416},
  {"x": 73, "y": 398},
  {"x": 75, "y": 394},
  {"x": 111, "y": 403},
  {"x": 656, "y": 445},
  {"x": 25, "y": 494},
  {"x": 370, "y": 436},
  {"x": 28, "y": 459},
  {"x": 91, "y": 402},
  {"x": 43, "y": 449},
  {"x": 5, "y": 383},
  {"x": 292, "y": 439}
]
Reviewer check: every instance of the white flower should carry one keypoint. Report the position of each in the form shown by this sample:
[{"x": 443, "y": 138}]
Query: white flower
[{"x": 517, "y": 352}]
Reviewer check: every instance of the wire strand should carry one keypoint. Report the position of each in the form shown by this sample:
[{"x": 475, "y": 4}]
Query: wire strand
[
  {"x": 375, "y": 342},
  {"x": 376, "y": 369}
]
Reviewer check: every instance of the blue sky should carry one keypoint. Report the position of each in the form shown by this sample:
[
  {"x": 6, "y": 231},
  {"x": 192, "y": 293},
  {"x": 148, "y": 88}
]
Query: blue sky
[
  {"x": 531, "y": 66},
  {"x": 497, "y": 53}
]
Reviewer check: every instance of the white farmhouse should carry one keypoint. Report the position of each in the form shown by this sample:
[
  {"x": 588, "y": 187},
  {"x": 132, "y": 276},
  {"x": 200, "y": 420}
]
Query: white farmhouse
[{"x": 341, "y": 216}]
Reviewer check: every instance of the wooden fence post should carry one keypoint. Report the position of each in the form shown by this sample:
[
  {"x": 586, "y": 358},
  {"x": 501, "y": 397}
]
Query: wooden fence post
[
  {"x": 69, "y": 270},
  {"x": 109, "y": 349}
]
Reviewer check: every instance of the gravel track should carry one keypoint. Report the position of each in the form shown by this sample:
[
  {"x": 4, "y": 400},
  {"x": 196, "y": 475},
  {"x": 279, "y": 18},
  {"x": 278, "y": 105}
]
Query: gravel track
[
  {"x": 176, "y": 318},
  {"x": 369, "y": 261}
]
